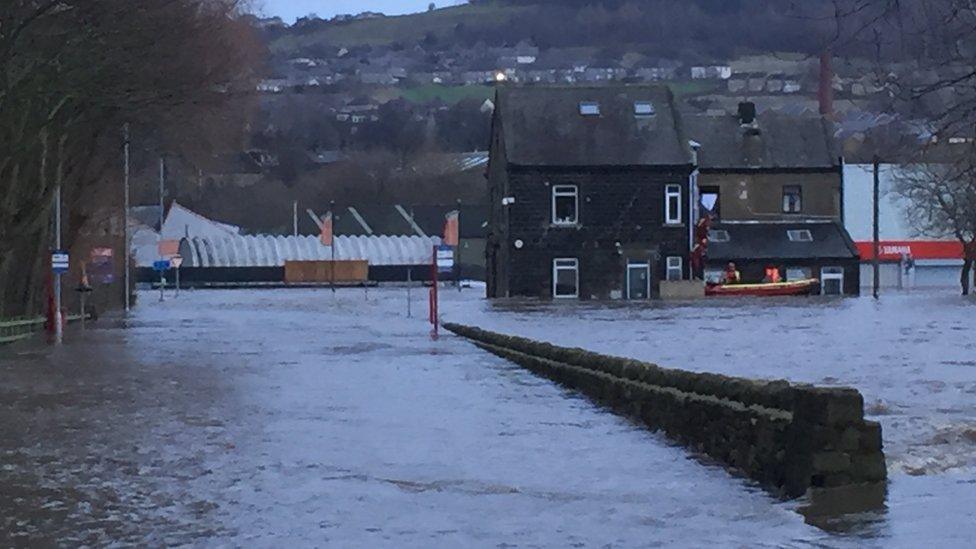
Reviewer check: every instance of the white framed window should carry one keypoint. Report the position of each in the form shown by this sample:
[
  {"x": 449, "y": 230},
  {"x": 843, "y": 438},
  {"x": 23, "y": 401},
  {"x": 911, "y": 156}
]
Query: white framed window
[
  {"x": 565, "y": 205},
  {"x": 589, "y": 108},
  {"x": 800, "y": 235},
  {"x": 792, "y": 199},
  {"x": 675, "y": 270},
  {"x": 672, "y": 204},
  {"x": 832, "y": 281},
  {"x": 643, "y": 109},
  {"x": 565, "y": 278},
  {"x": 794, "y": 274}
]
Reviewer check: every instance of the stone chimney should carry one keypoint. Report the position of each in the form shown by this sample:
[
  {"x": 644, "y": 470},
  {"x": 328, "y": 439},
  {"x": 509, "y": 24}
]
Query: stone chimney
[{"x": 747, "y": 113}]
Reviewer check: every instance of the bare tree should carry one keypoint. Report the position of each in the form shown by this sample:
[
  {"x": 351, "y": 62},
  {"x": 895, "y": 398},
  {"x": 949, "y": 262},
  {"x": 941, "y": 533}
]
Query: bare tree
[
  {"x": 941, "y": 200},
  {"x": 925, "y": 51},
  {"x": 71, "y": 73}
]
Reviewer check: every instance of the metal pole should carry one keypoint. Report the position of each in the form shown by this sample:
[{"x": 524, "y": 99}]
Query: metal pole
[
  {"x": 125, "y": 213},
  {"x": 457, "y": 253},
  {"x": 877, "y": 231},
  {"x": 434, "y": 315},
  {"x": 294, "y": 218},
  {"x": 162, "y": 208},
  {"x": 177, "y": 282},
  {"x": 409, "y": 281},
  {"x": 58, "y": 324},
  {"x": 333, "y": 266}
]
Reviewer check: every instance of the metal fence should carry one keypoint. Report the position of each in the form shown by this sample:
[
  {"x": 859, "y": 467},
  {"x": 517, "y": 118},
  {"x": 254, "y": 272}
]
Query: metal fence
[{"x": 22, "y": 328}]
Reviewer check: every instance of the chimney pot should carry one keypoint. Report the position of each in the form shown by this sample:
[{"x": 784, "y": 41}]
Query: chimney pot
[{"x": 747, "y": 112}]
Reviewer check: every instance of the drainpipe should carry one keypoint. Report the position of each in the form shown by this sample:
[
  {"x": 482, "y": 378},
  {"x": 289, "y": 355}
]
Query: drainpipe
[
  {"x": 692, "y": 202},
  {"x": 843, "y": 184}
]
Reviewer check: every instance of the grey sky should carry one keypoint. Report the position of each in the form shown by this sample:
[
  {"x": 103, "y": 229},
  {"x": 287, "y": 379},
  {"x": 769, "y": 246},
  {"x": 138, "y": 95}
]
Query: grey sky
[{"x": 289, "y": 10}]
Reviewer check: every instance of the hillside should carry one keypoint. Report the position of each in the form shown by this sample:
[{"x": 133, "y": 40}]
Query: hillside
[
  {"x": 354, "y": 107},
  {"x": 392, "y": 29},
  {"x": 693, "y": 30}
]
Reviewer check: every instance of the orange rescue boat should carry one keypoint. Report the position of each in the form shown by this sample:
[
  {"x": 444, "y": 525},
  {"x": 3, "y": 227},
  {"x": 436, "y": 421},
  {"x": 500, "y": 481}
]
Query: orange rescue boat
[{"x": 767, "y": 289}]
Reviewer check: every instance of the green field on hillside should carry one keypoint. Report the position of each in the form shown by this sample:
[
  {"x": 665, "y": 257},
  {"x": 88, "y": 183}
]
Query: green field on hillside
[
  {"x": 447, "y": 94},
  {"x": 403, "y": 28}
]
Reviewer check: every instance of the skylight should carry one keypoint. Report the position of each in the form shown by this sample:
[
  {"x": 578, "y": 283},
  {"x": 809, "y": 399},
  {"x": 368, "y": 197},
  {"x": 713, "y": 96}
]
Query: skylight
[
  {"x": 643, "y": 108},
  {"x": 589, "y": 108},
  {"x": 800, "y": 235}
]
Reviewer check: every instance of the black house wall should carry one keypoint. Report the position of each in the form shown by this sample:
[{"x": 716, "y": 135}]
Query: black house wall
[{"x": 621, "y": 219}]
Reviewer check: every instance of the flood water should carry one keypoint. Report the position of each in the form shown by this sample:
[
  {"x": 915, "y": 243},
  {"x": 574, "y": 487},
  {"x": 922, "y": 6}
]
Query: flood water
[{"x": 267, "y": 418}]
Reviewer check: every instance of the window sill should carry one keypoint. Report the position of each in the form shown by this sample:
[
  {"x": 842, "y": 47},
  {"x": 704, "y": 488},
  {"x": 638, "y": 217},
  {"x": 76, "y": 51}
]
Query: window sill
[
  {"x": 565, "y": 225},
  {"x": 674, "y": 225}
]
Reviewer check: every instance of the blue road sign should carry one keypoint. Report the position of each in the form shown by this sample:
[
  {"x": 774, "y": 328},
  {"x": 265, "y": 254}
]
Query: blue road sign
[
  {"x": 59, "y": 261},
  {"x": 445, "y": 258},
  {"x": 161, "y": 266}
]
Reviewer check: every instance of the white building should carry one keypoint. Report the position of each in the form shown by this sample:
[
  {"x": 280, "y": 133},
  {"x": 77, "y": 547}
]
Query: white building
[{"x": 937, "y": 260}]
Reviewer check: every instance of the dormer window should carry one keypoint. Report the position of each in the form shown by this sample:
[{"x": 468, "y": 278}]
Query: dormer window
[
  {"x": 718, "y": 235},
  {"x": 800, "y": 235},
  {"x": 589, "y": 108},
  {"x": 643, "y": 109}
]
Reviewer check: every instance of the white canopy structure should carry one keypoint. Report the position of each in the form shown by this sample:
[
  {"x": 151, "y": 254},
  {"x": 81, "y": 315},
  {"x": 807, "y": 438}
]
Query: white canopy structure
[
  {"x": 273, "y": 251},
  {"x": 182, "y": 222}
]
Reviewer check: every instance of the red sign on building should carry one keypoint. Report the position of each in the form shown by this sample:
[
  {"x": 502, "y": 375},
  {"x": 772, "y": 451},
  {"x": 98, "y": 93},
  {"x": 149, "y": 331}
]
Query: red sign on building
[{"x": 894, "y": 250}]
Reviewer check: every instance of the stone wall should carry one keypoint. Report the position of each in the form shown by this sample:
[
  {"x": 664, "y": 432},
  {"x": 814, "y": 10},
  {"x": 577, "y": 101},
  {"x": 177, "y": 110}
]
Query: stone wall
[
  {"x": 788, "y": 437},
  {"x": 682, "y": 289}
]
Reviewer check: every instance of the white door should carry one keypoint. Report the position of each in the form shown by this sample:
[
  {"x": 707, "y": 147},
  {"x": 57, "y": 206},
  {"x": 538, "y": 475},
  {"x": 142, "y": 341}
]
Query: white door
[
  {"x": 638, "y": 281},
  {"x": 832, "y": 281}
]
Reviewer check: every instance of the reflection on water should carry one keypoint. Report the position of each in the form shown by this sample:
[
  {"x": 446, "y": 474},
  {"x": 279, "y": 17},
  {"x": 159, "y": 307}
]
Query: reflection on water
[{"x": 854, "y": 510}]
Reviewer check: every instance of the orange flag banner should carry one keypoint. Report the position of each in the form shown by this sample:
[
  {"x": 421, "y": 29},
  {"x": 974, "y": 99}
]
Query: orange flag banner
[
  {"x": 452, "y": 228},
  {"x": 327, "y": 233}
]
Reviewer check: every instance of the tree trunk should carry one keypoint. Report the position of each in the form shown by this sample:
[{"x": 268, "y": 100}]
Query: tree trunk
[
  {"x": 967, "y": 269},
  {"x": 969, "y": 259}
]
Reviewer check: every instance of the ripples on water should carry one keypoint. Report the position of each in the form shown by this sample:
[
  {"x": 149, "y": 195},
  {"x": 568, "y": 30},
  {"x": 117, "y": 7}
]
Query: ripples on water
[{"x": 267, "y": 418}]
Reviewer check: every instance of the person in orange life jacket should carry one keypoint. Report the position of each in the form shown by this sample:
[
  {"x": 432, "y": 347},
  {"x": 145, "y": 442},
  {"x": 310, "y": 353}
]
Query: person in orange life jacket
[
  {"x": 732, "y": 275},
  {"x": 772, "y": 275}
]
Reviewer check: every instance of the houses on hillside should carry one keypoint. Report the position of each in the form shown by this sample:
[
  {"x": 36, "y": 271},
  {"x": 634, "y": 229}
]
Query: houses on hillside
[{"x": 595, "y": 193}]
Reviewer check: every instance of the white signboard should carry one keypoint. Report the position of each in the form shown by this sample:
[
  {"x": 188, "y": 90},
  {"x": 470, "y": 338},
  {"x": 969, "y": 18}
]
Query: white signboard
[
  {"x": 59, "y": 261},
  {"x": 445, "y": 258}
]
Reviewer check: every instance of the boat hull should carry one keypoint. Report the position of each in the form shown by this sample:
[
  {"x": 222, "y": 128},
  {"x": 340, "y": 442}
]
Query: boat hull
[{"x": 799, "y": 287}]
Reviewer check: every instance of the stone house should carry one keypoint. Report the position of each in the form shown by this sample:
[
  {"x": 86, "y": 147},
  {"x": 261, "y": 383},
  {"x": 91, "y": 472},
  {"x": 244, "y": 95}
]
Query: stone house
[
  {"x": 588, "y": 192},
  {"x": 714, "y": 72},
  {"x": 780, "y": 176},
  {"x": 768, "y": 166}
]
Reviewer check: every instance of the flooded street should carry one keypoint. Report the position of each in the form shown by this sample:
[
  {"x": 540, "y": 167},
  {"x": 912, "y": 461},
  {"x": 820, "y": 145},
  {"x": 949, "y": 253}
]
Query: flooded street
[{"x": 263, "y": 418}]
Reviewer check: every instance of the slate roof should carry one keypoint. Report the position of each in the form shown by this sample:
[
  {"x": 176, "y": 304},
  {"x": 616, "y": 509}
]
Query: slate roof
[
  {"x": 543, "y": 126},
  {"x": 783, "y": 141},
  {"x": 769, "y": 240}
]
